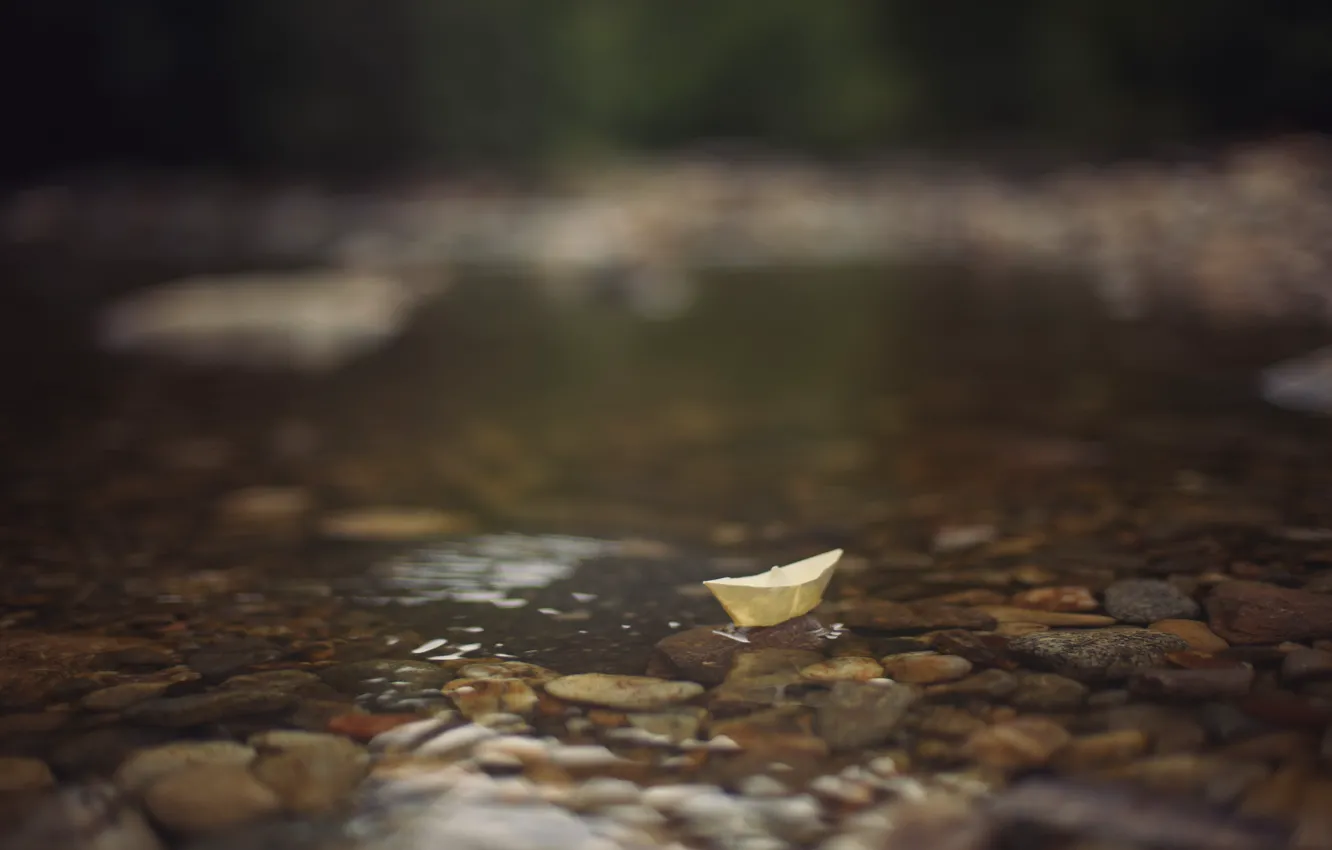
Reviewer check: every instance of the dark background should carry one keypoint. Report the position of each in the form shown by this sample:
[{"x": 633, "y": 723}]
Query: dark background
[{"x": 365, "y": 86}]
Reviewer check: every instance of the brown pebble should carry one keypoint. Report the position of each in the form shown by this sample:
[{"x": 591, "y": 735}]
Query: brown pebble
[
  {"x": 1306, "y": 665},
  {"x": 1023, "y": 742},
  {"x": 1195, "y": 634},
  {"x": 1193, "y": 684},
  {"x": 1012, "y": 630},
  {"x": 1101, "y": 750},
  {"x": 1067, "y": 598},
  {"x": 923, "y": 668},
  {"x": 1254, "y": 612},
  {"x": 1010, "y": 614}
]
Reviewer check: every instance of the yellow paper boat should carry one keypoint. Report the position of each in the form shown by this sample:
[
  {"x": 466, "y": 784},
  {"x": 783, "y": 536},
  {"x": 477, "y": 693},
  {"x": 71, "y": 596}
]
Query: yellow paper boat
[{"x": 777, "y": 595}]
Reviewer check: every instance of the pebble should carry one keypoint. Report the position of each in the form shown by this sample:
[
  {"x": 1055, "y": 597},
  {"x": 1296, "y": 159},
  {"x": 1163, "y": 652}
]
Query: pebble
[
  {"x": 1193, "y": 684},
  {"x": 1069, "y": 598},
  {"x": 1012, "y": 630},
  {"x": 209, "y": 707},
  {"x": 583, "y": 756},
  {"x": 403, "y": 734},
  {"x": 925, "y": 668},
  {"x": 291, "y": 681},
  {"x": 92, "y": 816},
  {"x": 507, "y": 670},
  {"x": 310, "y": 771},
  {"x": 477, "y": 697},
  {"x": 628, "y": 693},
  {"x": 209, "y": 797},
  {"x": 145, "y": 767},
  {"x": 121, "y": 697},
  {"x": 702, "y": 655},
  {"x": 1047, "y": 692},
  {"x": 856, "y": 715},
  {"x": 1305, "y": 665},
  {"x": 1245, "y": 612},
  {"x": 991, "y": 684},
  {"x": 1195, "y": 633},
  {"x": 217, "y": 661},
  {"x": 602, "y": 791},
  {"x": 379, "y": 676},
  {"x": 845, "y": 668},
  {"x": 1171, "y": 730},
  {"x": 24, "y": 774},
  {"x": 1144, "y": 600},
  {"x": 1096, "y": 656},
  {"x": 1022, "y": 742},
  {"x": 466, "y": 823},
  {"x": 948, "y": 722},
  {"x": 1010, "y": 614},
  {"x": 1104, "y": 749},
  {"x": 678, "y": 725},
  {"x": 455, "y": 742},
  {"x": 761, "y": 785}
]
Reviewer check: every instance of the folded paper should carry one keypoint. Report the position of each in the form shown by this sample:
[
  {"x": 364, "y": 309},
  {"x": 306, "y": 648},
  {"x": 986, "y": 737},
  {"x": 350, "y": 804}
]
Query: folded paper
[{"x": 777, "y": 595}]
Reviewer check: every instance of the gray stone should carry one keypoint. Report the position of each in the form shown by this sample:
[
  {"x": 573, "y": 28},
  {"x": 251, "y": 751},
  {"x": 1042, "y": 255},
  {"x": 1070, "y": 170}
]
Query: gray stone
[
  {"x": 1047, "y": 692},
  {"x": 1144, "y": 601},
  {"x": 858, "y": 715},
  {"x": 1097, "y": 655}
]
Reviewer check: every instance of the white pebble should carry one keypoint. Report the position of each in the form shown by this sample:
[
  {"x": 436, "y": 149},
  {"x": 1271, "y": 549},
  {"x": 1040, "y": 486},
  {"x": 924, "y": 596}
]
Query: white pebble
[
  {"x": 883, "y": 765},
  {"x": 605, "y": 791},
  {"x": 583, "y": 755},
  {"x": 668, "y": 798},
  {"x": 763, "y": 786},
  {"x": 637, "y": 815},
  {"x": 456, "y": 741}
]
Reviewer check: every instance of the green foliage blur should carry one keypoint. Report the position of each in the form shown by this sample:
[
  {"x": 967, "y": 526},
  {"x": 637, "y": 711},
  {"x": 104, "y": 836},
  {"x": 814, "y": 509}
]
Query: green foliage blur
[{"x": 359, "y": 84}]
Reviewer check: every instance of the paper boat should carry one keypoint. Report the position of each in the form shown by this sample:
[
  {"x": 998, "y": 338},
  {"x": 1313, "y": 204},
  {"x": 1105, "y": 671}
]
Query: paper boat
[{"x": 777, "y": 595}]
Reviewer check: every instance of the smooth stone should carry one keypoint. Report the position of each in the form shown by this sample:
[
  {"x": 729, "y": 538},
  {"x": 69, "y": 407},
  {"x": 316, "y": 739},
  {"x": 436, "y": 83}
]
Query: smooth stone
[
  {"x": 99, "y": 752},
  {"x": 982, "y": 650},
  {"x": 1096, "y": 656},
  {"x": 1245, "y": 612},
  {"x": 759, "y": 679},
  {"x": 1101, "y": 750},
  {"x": 24, "y": 774},
  {"x": 1193, "y": 684},
  {"x": 455, "y": 742},
  {"x": 887, "y": 616},
  {"x": 945, "y": 721},
  {"x": 93, "y": 816},
  {"x": 845, "y": 668},
  {"x": 1047, "y": 692},
  {"x": 507, "y": 670},
  {"x": 311, "y": 772},
  {"x": 209, "y": 707},
  {"x": 380, "y": 676},
  {"x": 209, "y": 797},
  {"x": 220, "y": 660},
  {"x": 990, "y": 684},
  {"x": 1072, "y": 598},
  {"x": 1144, "y": 600},
  {"x": 703, "y": 654},
  {"x": 136, "y": 659},
  {"x": 925, "y": 668},
  {"x": 856, "y": 715},
  {"x": 1172, "y": 730},
  {"x": 146, "y": 767},
  {"x": 628, "y": 693},
  {"x": 602, "y": 791},
  {"x": 679, "y": 725},
  {"x": 477, "y": 697},
  {"x": 1017, "y": 743},
  {"x": 1010, "y": 614},
  {"x": 1304, "y": 665},
  {"x": 1012, "y": 630},
  {"x": 121, "y": 697},
  {"x": 301, "y": 682},
  {"x": 1194, "y": 632}
]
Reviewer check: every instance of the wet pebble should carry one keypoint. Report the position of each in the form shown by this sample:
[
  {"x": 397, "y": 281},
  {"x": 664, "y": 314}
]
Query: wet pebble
[
  {"x": 1017, "y": 743},
  {"x": 856, "y": 715},
  {"x": 1098, "y": 655},
  {"x": 848, "y": 668},
  {"x": 381, "y": 676},
  {"x": 885, "y": 615},
  {"x": 225, "y": 658},
  {"x": 1195, "y": 633},
  {"x": 704, "y": 654},
  {"x": 209, "y": 707},
  {"x": 1047, "y": 692},
  {"x": 147, "y": 766},
  {"x": 1143, "y": 601},
  {"x": 1104, "y": 749},
  {"x": 478, "y": 697},
  {"x": 310, "y": 772},
  {"x": 1193, "y": 684},
  {"x": 1245, "y": 612},
  {"x": 1010, "y": 614},
  {"x": 121, "y": 697},
  {"x": 1069, "y": 598},
  {"x": 990, "y": 684},
  {"x": 390, "y": 524},
  {"x": 676, "y": 726},
  {"x": 24, "y": 774},
  {"x": 628, "y": 693},
  {"x": 1304, "y": 665},
  {"x": 92, "y": 816},
  {"x": 209, "y": 797},
  {"x": 924, "y": 668}
]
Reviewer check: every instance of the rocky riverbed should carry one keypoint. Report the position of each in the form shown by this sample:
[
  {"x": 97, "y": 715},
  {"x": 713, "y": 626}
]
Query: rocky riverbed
[{"x": 440, "y": 599}]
